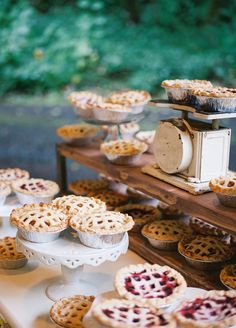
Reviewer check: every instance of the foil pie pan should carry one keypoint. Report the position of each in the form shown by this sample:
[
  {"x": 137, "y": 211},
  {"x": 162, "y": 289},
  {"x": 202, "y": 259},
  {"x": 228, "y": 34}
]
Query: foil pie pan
[
  {"x": 113, "y": 116},
  {"x": 33, "y": 199},
  {"x": 179, "y": 96},
  {"x": 13, "y": 264},
  {"x": 39, "y": 237},
  {"x": 138, "y": 108},
  {"x": 213, "y": 104},
  {"x": 227, "y": 200},
  {"x": 100, "y": 240},
  {"x": 123, "y": 159},
  {"x": 163, "y": 245}
]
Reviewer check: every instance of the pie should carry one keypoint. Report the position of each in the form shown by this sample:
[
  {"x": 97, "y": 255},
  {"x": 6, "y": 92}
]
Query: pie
[
  {"x": 77, "y": 131},
  {"x": 170, "y": 211},
  {"x": 10, "y": 175},
  {"x": 216, "y": 309},
  {"x": 84, "y": 99},
  {"x": 217, "y": 92},
  {"x": 123, "y": 147},
  {"x": 8, "y": 249},
  {"x": 186, "y": 84},
  {"x": 204, "y": 228},
  {"x": 5, "y": 190},
  {"x": 228, "y": 276},
  {"x": 111, "y": 198},
  {"x": 79, "y": 205},
  {"x": 107, "y": 222},
  {"x": 82, "y": 187},
  {"x": 166, "y": 230},
  {"x": 130, "y": 98},
  {"x": 108, "y": 106},
  {"x": 205, "y": 248},
  {"x": 39, "y": 218},
  {"x": 224, "y": 184},
  {"x": 69, "y": 312},
  {"x": 38, "y": 187},
  {"x": 120, "y": 313},
  {"x": 150, "y": 284}
]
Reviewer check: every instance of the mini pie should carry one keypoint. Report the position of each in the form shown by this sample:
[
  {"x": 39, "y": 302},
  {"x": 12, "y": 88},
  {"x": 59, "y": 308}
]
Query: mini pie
[
  {"x": 141, "y": 214},
  {"x": 186, "y": 84},
  {"x": 205, "y": 248},
  {"x": 217, "y": 92},
  {"x": 78, "y": 205},
  {"x": 216, "y": 309},
  {"x": 228, "y": 275},
  {"x": 39, "y": 218},
  {"x": 123, "y": 147},
  {"x": 69, "y": 312},
  {"x": 10, "y": 175},
  {"x": 111, "y": 198},
  {"x": 224, "y": 184},
  {"x": 8, "y": 249},
  {"x": 82, "y": 187},
  {"x": 130, "y": 98},
  {"x": 39, "y": 187},
  {"x": 166, "y": 230},
  {"x": 5, "y": 190},
  {"x": 118, "y": 313},
  {"x": 84, "y": 99},
  {"x": 150, "y": 285},
  {"x": 107, "y": 222},
  {"x": 77, "y": 131}
]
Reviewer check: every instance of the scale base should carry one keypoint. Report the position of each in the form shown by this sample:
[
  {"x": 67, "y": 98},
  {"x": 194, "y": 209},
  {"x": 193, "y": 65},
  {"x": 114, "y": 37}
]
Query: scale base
[{"x": 194, "y": 188}]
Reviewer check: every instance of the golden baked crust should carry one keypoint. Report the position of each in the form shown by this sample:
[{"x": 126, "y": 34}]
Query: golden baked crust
[
  {"x": 77, "y": 131},
  {"x": 10, "y": 175},
  {"x": 123, "y": 147},
  {"x": 84, "y": 99},
  {"x": 82, "y": 187},
  {"x": 38, "y": 187},
  {"x": 69, "y": 312},
  {"x": 228, "y": 276},
  {"x": 8, "y": 249},
  {"x": 204, "y": 228},
  {"x": 5, "y": 190},
  {"x": 166, "y": 230},
  {"x": 112, "y": 107},
  {"x": 130, "y": 98},
  {"x": 205, "y": 248},
  {"x": 217, "y": 92},
  {"x": 111, "y": 198},
  {"x": 224, "y": 184},
  {"x": 186, "y": 84}
]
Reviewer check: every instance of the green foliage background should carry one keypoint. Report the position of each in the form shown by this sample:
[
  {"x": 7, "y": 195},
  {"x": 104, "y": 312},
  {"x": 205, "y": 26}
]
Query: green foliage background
[{"x": 51, "y": 45}]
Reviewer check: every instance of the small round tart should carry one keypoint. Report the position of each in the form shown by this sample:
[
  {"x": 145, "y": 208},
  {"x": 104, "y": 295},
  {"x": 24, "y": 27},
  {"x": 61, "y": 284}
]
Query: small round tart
[
  {"x": 82, "y": 187},
  {"x": 123, "y": 147},
  {"x": 10, "y": 175},
  {"x": 228, "y": 276},
  {"x": 107, "y": 222},
  {"x": 186, "y": 84},
  {"x": 39, "y": 187},
  {"x": 217, "y": 92},
  {"x": 141, "y": 214},
  {"x": 111, "y": 198},
  {"x": 224, "y": 184},
  {"x": 84, "y": 99},
  {"x": 130, "y": 98},
  {"x": 69, "y": 312},
  {"x": 78, "y": 205},
  {"x": 204, "y": 248},
  {"x": 166, "y": 230},
  {"x": 39, "y": 218},
  {"x": 8, "y": 249},
  {"x": 119, "y": 313},
  {"x": 77, "y": 131},
  {"x": 5, "y": 190},
  {"x": 216, "y": 309},
  {"x": 150, "y": 285}
]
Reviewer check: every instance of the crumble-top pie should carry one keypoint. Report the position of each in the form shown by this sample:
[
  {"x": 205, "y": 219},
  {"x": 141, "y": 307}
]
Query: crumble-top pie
[
  {"x": 10, "y": 175},
  {"x": 118, "y": 313},
  {"x": 82, "y": 187},
  {"x": 39, "y": 187},
  {"x": 216, "y": 92},
  {"x": 10, "y": 258},
  {"x": 150, "y": 284},
  {"x": 111, "y": 198},
  {"x": 77, "y": 131},
  {"x": 130, "y": 97},
  {"x": 215, "y": 309},
  {"x": 68, "y": 312},
  {"x": 228, "y": 276}
]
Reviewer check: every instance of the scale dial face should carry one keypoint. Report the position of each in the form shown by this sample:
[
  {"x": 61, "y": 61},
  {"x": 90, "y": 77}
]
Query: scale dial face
[{"x": 173, "y": 148}]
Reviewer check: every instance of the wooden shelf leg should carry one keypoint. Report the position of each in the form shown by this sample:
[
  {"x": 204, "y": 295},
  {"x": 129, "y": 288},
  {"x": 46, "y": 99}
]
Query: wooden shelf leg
[{"x": 61, "y": 171}]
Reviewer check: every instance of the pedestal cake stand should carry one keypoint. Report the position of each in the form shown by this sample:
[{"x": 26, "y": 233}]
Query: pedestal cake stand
[{"x": 72, "y": 256}]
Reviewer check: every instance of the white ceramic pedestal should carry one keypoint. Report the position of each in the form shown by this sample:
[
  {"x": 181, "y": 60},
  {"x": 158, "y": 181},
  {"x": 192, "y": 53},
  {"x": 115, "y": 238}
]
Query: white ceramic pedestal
[{"x": 71, "y": 255}]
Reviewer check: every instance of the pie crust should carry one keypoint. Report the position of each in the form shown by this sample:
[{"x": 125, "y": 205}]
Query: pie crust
[
  {"x": 112, "y": 107},
  {"x": 204, "y": 228},
  {"x": 82, "y": 187},
  {"x": 186, "y": 84},
  {"x": 217, "y": 92},
  {"x": 150, "y": 285},
  {"x": 216, "y": 309},
  {"x": 77, "y": 131},
  {"x": 105, "y": 223},
  {"x": 166, "y": 230},
  {"x": 69, "y": 312},
  {"x": 10, "y": 175},
  {"x": 130, "y": 98},
  {"x": 205, "y": 248},
  {"x": 38, "y": 187},
  {"x": 225, "y": 185},
  {"x": 112, "y": 199},
  {"x": 84, "y": 99},
  {"x": 118, "y": 313},
  {"x": 39, "y": 218},
  {"x": 123, "y": 147},
  {"x": 228, "y": 276},
  {"x": 8, "y": 249},
  {"x": 5, "y": 190}
]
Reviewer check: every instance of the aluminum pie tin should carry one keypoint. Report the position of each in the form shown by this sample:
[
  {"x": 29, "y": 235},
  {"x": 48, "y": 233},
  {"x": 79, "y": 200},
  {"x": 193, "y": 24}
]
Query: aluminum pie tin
[
  {"x": 164, "y": 245},
  {"x": 13, "y": 264},
  {"x": 214, "y": 104},
  {"x": 123, "y": 159},
  {"x": 228, "y": 287},
  {"x": 113, "y": 116},
  {"x": 40, "y": 237},
  {"x": 33, "y": 199},
  {"x": 179, "y": 95},
  {"x": 100, "y": 240},
  {"x": 138, "y": 108},
  {"x": 227, "y": 200}
]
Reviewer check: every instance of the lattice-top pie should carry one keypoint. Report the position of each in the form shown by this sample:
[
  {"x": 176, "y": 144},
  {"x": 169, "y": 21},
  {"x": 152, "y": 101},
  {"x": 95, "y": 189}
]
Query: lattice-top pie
[
  {"x": 107, "y": 222},
  {"x": 111, "y": 198},
  {"x": 224, "y": 184},
  {"x": 228, "y": 275},
  {"x": 82, "y": 187},
  {"x": 77, "y": 131},
  {"x": 8, "y": 249},
  {"x": 217, "y": 92},
  {"x": 79, "y": 205},
  {"x": 127, "y": 314},
  {"x": 39, "y": 187},
  {"x": 129, "y": 98},
  {"x": 186, "y": 84},
  {"x": 84, "y": 99},
  {"x": 123, "y": 147},
  {"x": 10, "y": 175},
  {"x": 205, "y": 248},
  {"x": 5, "y": 190},
  {"x": 216, "y": 309},
  {"x": 39, "y": 217},
  {"x": 150, "y": 285},
  {"x": 168, "y": 230},
  {"x": 205, "y": 228},
  {"x": 69, "y": 312}
]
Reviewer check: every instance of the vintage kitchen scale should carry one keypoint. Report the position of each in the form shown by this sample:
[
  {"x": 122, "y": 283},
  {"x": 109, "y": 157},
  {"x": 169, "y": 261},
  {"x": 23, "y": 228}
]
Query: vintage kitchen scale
[{"x": 188, "y": 152}]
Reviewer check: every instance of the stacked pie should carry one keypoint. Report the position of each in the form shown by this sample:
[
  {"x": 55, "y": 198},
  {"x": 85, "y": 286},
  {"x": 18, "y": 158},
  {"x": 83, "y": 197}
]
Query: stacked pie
[
  {"x": 10, "y": 175},
  {"x": 10, "y": 258},
  {"x": 225, "y": 189},
  {"x": 83, "y": 187}
]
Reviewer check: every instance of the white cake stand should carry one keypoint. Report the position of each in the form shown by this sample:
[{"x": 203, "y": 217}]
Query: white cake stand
[{"x": 72, "y": 256}]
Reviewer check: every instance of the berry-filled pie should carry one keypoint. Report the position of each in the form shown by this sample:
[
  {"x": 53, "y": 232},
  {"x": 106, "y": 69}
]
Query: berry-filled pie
[
  {"x": 82, "y": 187},
  {"x": 11, "y": 175},
  {"x": 111, "y": 198},
  {"x": 150, "y": 285},
  {"x": 228, "y": 276},
  {"x": 118, "y": 313},
  {"x": 216, "y": 309},
  {"x": 69, "y": 312},
  {"x": 10, "y": 258}
]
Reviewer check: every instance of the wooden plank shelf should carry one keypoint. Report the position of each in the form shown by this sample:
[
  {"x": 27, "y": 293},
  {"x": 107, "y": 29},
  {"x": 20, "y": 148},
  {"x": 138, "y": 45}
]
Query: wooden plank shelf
[{"x": 205, "y": 206}]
